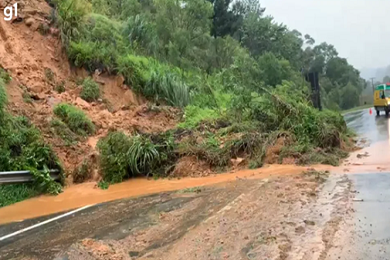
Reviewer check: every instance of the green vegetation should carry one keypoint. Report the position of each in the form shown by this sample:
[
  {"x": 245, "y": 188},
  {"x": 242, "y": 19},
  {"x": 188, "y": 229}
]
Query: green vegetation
[
  {"x": 124, "y": 157},
  {"x": 75, "y": 119},
  {"x": 90, "y": 91},
  {"x": 49, "y": 74},
  {"x": 234, "y": 72},
  {"x": 13, "y": 193},
  {"x": 22, "y": 148},
  {"x": 5, "y": 76},
  {"x": 103, "y": 185},
  {"x": 60, "y": 129},
  {"x": 191, "y": 190},
  {"x": 60, "y": 87}
]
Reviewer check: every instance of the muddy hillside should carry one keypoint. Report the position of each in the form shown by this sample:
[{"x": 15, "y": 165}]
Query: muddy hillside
[
  {"x": 39, "y": 66},
  {"x": 106, "y": 92}
]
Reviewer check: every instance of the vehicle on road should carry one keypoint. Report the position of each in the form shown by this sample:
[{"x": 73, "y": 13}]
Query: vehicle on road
[{"x": 382, "y": 98}]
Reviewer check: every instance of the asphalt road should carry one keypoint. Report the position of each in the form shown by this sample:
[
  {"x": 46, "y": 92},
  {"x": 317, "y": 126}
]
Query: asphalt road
[{"x": 367, "y": 231}]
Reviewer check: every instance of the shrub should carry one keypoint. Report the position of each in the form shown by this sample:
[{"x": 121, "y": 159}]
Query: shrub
[
  {"x": 75, "y": 119},
  {"x": 90, "y": 91},
  {"x": 113, "y": 157},
  {"x": 124, "y": 157},
  {"x": 60, "y": 87},
  {"x": 70, "y": 17},
  {"x": 22, "y": 148},
  {"x": 5, "y": 76},
  {"x": 135, "y": 70},
  {"x": 49, "y": 74},
  {"x": 168, "y": 87},
  {"x": 193, "y": 115},
  {"x": 13, "y": 193}
]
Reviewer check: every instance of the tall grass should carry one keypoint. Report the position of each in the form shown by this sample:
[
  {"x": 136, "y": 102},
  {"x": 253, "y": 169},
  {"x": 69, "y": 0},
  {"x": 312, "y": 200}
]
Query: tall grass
[
  {"x": 75, "y": 118},
  {"x": 127, "y": 156},
  {"x": 169, "y": 87}
]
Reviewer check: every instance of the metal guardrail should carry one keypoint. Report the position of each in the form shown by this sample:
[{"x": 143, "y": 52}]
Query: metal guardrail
[{"x": 23, "y": 176}]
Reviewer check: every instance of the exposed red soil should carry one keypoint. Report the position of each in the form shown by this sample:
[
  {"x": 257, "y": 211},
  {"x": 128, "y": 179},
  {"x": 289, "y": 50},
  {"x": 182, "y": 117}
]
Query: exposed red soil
[{"x": 29, "y": 57}]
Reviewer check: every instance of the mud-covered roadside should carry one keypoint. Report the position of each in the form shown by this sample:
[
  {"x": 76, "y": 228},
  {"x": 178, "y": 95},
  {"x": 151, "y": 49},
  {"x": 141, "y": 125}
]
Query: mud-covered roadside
[{"x": 289, "y": 217}]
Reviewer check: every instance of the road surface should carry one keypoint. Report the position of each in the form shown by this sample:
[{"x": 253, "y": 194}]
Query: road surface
[{"x": 288, "y": 217}]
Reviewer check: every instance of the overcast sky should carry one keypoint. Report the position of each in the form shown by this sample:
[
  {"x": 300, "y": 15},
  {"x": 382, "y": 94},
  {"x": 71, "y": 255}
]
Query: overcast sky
[{"x": 359, "y": 29}]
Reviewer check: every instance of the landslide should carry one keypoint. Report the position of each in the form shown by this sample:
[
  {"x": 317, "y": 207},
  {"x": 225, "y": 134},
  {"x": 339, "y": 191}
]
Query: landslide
[
  {"x": 37, "y": 64},
  {"x": 235, "y": 110}
]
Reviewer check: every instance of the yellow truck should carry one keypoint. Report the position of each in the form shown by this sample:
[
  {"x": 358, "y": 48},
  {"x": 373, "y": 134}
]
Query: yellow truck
[{"x": 382, "y": 98}]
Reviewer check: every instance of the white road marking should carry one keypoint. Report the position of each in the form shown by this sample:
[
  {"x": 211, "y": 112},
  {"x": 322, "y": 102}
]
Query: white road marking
[{"x": 44, "y": 222}]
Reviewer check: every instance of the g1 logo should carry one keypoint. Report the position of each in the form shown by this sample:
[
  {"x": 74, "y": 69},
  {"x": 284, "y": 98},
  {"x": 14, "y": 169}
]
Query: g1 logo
[{"x": 8, "y": 12}]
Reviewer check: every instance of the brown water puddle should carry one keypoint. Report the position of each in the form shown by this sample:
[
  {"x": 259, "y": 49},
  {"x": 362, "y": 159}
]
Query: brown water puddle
[{"x": 87, "y": 194}]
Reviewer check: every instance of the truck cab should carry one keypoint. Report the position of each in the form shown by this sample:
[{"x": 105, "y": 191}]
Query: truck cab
[{"x": 382, "y": 98}]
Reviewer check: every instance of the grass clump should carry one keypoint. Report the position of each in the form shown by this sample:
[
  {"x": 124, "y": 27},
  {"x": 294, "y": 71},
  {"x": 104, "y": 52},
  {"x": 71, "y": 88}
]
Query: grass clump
[
  {"x": 49, "y": 74},
  {"x": 90, "y": 91},
  {"x": 14, "y": 193},
  {"x": 103, "y": 185},
  {"x": 75, "y": 119},
  {"x": 27, "y": 97},
  {"x": 60, "y": 87},
  {"x": 4, "y": 75},
  {"x": 122, "y": 157},
  {"x": 62, "y": 130}
]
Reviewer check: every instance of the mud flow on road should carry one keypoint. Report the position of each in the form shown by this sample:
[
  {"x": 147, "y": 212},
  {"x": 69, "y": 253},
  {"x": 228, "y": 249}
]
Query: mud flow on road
[{"x": 277, "y": 212}]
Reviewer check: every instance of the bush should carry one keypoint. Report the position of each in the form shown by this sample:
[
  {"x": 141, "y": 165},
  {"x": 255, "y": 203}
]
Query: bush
[
  {"x": 135, "y": 70},
  {"x": 13, "y": 193},
  {"x": 113, "y": 157},
  {"x": 124, "y": 157},
  {"x": 22, "y": 148},
  {"x": 5, "y": 76},
  {"x": 75, "y": 119},
  {"x": 70, "y": 16},
  {"x": 194, "y": 115},
  {"x": 90, "y": 91},
  {"x": 168, "y": 87}
]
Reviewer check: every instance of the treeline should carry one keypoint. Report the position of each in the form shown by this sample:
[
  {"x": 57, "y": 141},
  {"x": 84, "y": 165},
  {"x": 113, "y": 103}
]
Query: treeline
[{"x": 208, "y": 36}]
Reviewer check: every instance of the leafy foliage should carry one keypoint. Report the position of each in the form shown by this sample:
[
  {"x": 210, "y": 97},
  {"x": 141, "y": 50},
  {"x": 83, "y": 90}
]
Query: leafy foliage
[
  {"x": 90, "y": 91},
  {"x": 75, "y": 119},
  {"x": 235, "y": 72},
  {"x": 124, "y": 157},
  {"x": 22, "y": 148},
  {"x": 5, "y": 76}
]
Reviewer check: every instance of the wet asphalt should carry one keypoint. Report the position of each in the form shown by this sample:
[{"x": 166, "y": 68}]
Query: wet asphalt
[{"x": 370, "y": 236}]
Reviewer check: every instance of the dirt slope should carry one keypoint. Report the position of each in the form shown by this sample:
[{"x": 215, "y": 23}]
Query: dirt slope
[{"x": 38, "y": 65}]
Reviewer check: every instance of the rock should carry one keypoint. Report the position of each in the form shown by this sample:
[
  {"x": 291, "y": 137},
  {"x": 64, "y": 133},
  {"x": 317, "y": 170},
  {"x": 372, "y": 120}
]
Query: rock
[
  {"x": 309, "y": 222},
  {"x": 82, "y": 103},
  {"x": 29, "y": 21},
  {"x": 38, "y": 96},
  {"x": 30, "y": 11},
  {"x": 300, "y": 230},
  {"x": 54, "y": 31},
  {"x": 36, "y": 88}
]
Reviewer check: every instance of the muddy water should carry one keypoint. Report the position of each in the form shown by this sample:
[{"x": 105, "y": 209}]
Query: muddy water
[{"x": 86, "y": 194}]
